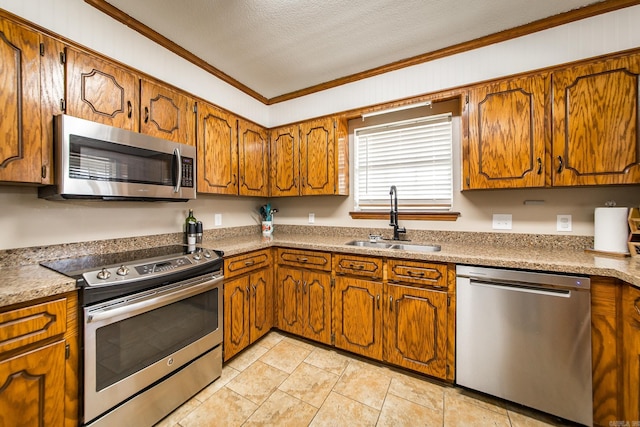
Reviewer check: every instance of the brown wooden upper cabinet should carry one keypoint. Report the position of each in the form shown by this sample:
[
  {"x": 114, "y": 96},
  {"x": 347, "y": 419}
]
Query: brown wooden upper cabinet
[
  {"x": 31, "y": 86},
  {"x": 253, "y": 159},
  {"x": 595, "y": 123},
  {"x": 104, "y": 92},
  {"x": 101, "y": 91},
  {"x": 507, "y": 134},
  {"x": 217, "y": 150},
  {"x": 310, "y": 158},
  {"x": 167, "y": 113}
]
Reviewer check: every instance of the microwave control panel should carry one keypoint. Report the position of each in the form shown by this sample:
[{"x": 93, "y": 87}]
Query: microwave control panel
[{"x": 187, "y": 172}]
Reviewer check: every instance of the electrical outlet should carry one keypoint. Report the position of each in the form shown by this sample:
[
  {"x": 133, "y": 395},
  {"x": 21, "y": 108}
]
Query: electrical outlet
[
  {"x": 312, "y": 218},
  {"x": 217, "y": 220},
  {"x": 563, "y": 223},
  {"x": 502, "y": 221}
]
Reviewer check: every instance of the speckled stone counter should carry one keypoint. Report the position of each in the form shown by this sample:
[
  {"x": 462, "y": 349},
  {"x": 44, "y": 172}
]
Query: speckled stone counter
[{"x": 21, "y": 279}]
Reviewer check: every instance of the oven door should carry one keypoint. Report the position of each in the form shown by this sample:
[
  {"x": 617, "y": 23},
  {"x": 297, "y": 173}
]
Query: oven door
[{"x": 132, "y": 342}]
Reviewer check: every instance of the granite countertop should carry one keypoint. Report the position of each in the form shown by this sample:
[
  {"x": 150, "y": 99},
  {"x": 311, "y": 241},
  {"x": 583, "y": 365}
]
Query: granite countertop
[{"x": 29, "y": 282}]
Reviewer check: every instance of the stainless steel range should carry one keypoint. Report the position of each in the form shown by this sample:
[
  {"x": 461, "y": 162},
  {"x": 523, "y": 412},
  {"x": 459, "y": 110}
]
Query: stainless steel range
[{"x": 152, "y": 330}]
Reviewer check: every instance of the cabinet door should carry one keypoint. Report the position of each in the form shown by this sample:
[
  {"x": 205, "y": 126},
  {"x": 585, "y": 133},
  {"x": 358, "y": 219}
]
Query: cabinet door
[
  {"x": 508, "y": 134},
  {"x": 167, "y": 113},
  {"x": 101, "y": 91},
  {"x": 20, "y": 119},
  {"x": 358, "y": 316},
  {"x": 316, "y": 306},
  {"x": 253, "y": 159},
  {"x": 290, "y": 300},
  {"x": 33, "y": 387},
  {"x": 52, "y": 82},
  {"x": 285, "y": 161},
  {"x": 595, "y": 123},
  {"x": 416, "y": 329},
  {"x": 217, "y": 151},
  {"x": 236, "y": 316},
  {"x": 317, "y": 162},
  {"x": 261, "y": 315},
  {"x": 631, "y": 364}
]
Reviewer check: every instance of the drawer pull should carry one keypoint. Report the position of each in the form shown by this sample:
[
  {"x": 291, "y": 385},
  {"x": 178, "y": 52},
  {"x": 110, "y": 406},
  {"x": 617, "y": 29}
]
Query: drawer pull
[
  {"x": 356, "y": 266},
  {"x": 249, "y": 263},
  {"x": 415, "y": 273},
  {"x": 302, "y": 259}
]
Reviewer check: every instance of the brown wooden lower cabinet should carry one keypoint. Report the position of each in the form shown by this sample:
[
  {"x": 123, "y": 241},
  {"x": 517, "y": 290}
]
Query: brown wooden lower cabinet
[
  {"x": 630, "y": 342},
  {"x": 38, "y": 363},
  {"x": 304, "y": 303},
  {"x": 358, "y": 316},
  {"x": 416, "y": 329},
  {"x": 248, "y": 310}
]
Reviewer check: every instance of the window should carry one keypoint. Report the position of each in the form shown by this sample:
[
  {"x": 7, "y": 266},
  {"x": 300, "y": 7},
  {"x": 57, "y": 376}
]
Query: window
[{"x": 414, "y": 155}]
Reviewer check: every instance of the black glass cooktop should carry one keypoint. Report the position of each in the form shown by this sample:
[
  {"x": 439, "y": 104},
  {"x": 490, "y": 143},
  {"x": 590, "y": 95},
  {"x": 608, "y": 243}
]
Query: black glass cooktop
[{"x": 74, "y": 267}]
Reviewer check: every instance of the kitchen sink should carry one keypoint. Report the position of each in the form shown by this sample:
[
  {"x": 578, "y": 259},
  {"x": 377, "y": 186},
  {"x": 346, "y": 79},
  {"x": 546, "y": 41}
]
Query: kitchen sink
[
  {"x": 369, "y": 244},
  {"x": 417, "y": 248},
  {"x": 398, "y": 246}
]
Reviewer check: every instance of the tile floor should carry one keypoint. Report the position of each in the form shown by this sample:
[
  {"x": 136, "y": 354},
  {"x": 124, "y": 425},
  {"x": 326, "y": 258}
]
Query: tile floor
[{"x": 284, "y": 381}]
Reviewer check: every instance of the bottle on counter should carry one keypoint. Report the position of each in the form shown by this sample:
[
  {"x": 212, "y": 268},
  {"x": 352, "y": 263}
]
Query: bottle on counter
[{"x": 189, "y": 220}]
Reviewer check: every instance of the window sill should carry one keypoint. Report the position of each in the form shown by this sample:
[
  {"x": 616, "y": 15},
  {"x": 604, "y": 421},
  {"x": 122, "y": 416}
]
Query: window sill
[{"x": 415, "y": 216}]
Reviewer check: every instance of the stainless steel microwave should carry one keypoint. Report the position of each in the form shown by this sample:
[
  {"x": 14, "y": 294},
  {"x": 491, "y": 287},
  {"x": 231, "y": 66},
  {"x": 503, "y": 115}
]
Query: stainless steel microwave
[{"x": 96, "y": 161}]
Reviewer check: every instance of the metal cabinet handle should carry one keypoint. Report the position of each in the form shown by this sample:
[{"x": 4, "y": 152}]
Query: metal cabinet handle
[
  {"x": 378, "y": 300},
  {"x": 390, "y": 303},
  {"x": 304, "y": 287},
  {"x": 560, "y": 164},
  {"x": 129, "y": 109},
  {"x": 539, "y": 160},
  {"x": 146, "y": 114},
  {"x": 254, "y": 287},
  {"x": 302, "y": 259},
  {"x": 248, "y": 263},
  {"x": 635, "y": 305},
  {"x": 248, "y": 292}
]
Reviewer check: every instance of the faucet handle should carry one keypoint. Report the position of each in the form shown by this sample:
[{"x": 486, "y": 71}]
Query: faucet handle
[{"x": 375, "y": 237}]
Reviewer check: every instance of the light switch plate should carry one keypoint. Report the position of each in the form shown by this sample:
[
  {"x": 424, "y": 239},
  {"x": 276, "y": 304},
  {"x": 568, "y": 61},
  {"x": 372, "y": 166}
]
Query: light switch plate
[
  {"x": 502, "y": 221},
  {"x": 217, "y": 219},
  {"x": 563, "y": 223},
  {"x": 312, "y": 218}
]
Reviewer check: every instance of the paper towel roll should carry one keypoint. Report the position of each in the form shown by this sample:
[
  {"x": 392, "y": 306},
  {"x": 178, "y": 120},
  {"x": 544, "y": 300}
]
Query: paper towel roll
[{"x": 611, "y": 230}]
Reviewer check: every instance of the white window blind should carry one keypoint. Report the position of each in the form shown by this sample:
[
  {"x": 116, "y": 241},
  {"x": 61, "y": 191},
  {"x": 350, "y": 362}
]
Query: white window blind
[{"x": 414, "y": 155}]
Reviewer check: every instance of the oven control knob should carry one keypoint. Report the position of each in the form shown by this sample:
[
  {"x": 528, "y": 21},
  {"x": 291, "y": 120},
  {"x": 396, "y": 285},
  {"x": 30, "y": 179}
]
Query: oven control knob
[
  {"x": 207, "y": 254},
  {"x": 196, "y": 256},
  {"x": 122, "y": 271},
  {"x": 104, "y": 274}
]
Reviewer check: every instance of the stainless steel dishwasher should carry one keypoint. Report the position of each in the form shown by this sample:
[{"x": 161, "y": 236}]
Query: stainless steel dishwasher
[{"x": 526, "y": 337}]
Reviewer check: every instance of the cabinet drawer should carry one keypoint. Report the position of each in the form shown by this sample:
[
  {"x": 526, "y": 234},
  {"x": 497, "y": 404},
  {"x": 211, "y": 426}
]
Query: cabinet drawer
[
  {"x": 419, "y": 273},
  {"x": 358, "y": 265},
  {"x": 305, "y": 259},
  {"x": 248, "y": 262},
  {"x": 28, "y": 325}
]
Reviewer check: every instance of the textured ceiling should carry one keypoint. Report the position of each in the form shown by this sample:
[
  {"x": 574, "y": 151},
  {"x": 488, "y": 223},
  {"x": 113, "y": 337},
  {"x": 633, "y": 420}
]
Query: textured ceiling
[{"x": 276, "y": 47}]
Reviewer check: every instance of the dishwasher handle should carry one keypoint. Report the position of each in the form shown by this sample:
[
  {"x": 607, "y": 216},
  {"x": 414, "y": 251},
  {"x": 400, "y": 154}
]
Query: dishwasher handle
[{"x": 529, "y": 289}]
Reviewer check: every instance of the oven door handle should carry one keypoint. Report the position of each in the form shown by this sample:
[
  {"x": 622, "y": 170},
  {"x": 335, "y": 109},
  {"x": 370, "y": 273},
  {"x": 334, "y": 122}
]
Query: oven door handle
[{"x": 149, "y": 301}]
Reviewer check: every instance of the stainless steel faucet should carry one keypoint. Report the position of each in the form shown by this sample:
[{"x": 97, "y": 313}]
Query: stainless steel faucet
[{"x": 393, "y": 215}]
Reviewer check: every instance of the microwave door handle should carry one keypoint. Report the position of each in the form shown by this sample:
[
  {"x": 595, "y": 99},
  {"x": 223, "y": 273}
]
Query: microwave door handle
[{"x": 177, "y": 165}]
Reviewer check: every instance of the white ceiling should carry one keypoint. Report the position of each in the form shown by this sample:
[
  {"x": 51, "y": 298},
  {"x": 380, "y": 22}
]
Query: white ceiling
[{"x": 276, "y": 47}]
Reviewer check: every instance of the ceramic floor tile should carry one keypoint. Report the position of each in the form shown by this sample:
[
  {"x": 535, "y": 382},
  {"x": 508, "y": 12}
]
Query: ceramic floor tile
[
  {"x": 282, "y": 410},
  {"x": 310, "y": 384},
  {"x": 364, "y": 384},
  {"x": 418, "y": 391},
  {"x": 249, "y": 355},
  {"x": 519, "y": 419},
  {"x": 329, "y": 360},
  {"x": 257, "y": 382},
  {"x": 285, "y": 356},
  {"x": 173, "y": 418},
  {"x": 339, "y": 410},
  {"x": 300, "y": 343},
  {"x": 228, "y": 373},
  {"x": 224, "y": 408},
  {"x": 397, "y": 412},
  {"x": 481, "y": 400},
  {"x": 270, "y": 340},
  {"x": 460, "y": 410}
]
